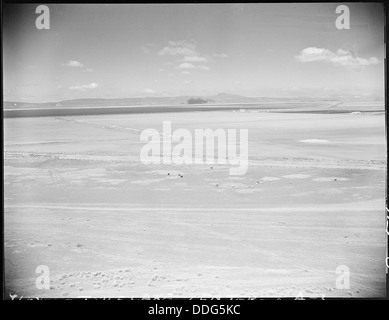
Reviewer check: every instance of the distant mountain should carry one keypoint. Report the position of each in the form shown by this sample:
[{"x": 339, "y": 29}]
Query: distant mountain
[
  {"x": 76, "y": 103},
  {"x": 232, "y": 98},
  {"x": 220, "y": 98},
  {"x": 93, "y": 102}
]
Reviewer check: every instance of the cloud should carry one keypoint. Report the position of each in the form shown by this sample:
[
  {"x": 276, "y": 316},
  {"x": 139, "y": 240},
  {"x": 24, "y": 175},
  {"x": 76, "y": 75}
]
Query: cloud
[
  {"x": 220, "y": 55},
  {"x": 176, "y": 48},
  {"x": 188, "y": 65},
  {"x": 145, "y": 49},
  {"x": 148, "y": 90},
  {"x": 85, "y": 87},
  {"x": 195, "y": 59},
  {"x": 341, "y": 58},
  {"x": 187, "y": 81},
  {"x": 187, "y": 55},
  {"x": 186, "y": 72},
  {"x": 72, "y": 63}
]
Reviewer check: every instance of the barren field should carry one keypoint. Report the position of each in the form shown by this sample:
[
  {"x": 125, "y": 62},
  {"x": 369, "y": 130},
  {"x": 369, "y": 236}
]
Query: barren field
[{"x": 79, "y": 201}]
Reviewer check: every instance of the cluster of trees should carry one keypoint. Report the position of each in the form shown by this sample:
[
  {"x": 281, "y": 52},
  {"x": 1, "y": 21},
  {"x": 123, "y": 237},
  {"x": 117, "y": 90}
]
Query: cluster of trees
[{"x": 196, "y": 101}]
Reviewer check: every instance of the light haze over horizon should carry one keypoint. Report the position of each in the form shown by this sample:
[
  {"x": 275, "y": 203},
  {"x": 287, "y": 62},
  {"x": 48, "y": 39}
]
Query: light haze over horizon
[{"x": 128, "y": 50}]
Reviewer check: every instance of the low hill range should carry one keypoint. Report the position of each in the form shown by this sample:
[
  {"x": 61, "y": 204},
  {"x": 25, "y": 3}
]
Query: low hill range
[{"x": 180, "y": 100}]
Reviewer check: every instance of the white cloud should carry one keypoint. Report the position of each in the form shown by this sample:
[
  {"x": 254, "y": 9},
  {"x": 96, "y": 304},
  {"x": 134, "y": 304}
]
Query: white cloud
[
  {"x": 85, "y": 87},
  {"x": 220, "y": 55},
  {"x": 188, "y": 65},
  {"x": 174, "y": 51},
  {"x": 186, "y": 72},
  {"x": 341, "y": 58},
  {"x": 194, "y": 59},
  {"x": 187, "y": 81},
  {"x": 145, "y": 49},
  {"x": 178, "y": 48},
  {"x": 148, "y": 90},
  {"x": 183, "y": 43},
  {"x": 187, "y": 55},
  {"x": 73, "y": 63}
]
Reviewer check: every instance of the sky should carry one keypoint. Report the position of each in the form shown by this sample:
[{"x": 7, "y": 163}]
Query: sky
[{"x": 133, "y": 50}]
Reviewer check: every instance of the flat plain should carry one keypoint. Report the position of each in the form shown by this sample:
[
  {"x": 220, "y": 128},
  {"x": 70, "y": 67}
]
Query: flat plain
[{"x": 78, "y": 200}]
